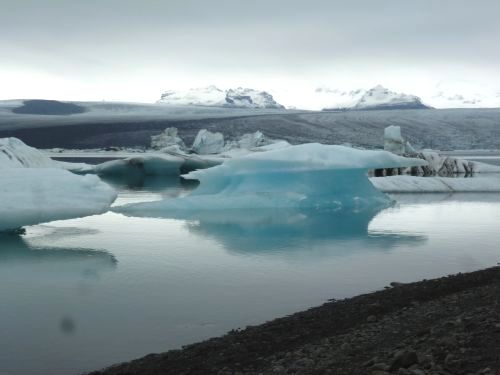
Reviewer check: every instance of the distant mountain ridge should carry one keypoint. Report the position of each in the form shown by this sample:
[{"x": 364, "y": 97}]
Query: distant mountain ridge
[
  {"x": 376, "y": 98},
  {"x": 211, "y": 96}
]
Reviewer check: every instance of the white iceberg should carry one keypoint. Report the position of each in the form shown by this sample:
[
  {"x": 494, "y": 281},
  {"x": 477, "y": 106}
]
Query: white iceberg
[
  {"x": 393, "y": 141},
  {"x": 250, "y": 141},
  {"x": 207, "y": 143},
  {"x": 436, "y": 164},
  {"x": 31, "y": 196},
  {"x": 16, "y": 154},
  {"x": 211, "y": 150},
  {"x": 35, "y": 189},
  {"x": 447, "y": 166},
  {"x": 168, "y": 138},
  {"x": 304, "y": 176}
]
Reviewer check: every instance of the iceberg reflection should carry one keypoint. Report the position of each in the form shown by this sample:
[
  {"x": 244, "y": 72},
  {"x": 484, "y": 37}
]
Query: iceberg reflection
[
  {"x": 288, "y": 230},
  {"x": 19, "y": 256}
]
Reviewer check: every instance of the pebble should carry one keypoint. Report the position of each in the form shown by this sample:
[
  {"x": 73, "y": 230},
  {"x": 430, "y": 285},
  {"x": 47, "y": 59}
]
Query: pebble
[{"x": 404, "y": 358}]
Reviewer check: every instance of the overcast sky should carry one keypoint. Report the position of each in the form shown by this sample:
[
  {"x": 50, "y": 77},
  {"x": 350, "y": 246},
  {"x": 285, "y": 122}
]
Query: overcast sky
[{"x": 135, "y": 49}]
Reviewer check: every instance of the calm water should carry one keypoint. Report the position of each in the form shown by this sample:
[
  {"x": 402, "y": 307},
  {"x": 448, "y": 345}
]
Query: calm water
[{"x": 81, "y": 294}]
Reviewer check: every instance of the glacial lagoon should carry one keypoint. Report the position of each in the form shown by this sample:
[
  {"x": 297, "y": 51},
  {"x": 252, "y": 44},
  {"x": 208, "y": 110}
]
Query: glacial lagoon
[{"x": 81, "y": 294}]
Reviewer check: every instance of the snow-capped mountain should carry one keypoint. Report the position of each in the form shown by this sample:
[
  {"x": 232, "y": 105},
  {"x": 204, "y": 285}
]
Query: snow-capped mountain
[
  {"x": 378, "y": 97},
  {"x": 381, "y": 98},
  {"x": 212, "y": 96},
  {"x": 337, "y": 99},
  {"x": 250, "y": 98},
  {"x": 209, "y": 96},
  {"x": 465, "y": 95}
]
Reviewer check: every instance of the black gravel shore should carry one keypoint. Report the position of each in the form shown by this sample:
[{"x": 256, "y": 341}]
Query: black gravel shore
[{"x": 449, "y": 325}]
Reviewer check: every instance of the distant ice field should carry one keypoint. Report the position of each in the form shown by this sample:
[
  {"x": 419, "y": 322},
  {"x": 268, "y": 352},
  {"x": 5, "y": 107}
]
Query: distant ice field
[{"x": 130, "y": 125}]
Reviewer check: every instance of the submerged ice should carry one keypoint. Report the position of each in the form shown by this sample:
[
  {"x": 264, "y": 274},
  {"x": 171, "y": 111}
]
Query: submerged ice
[{"x": 304, "y": 176}]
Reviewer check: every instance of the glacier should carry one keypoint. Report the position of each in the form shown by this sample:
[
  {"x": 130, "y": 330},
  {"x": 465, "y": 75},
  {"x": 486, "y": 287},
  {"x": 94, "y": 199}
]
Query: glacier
[
  {"x": 36, "y": 189},
  {"x": 305, "y": 176}
]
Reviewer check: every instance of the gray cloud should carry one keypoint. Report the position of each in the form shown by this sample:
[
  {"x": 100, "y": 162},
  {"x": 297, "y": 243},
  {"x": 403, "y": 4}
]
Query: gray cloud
[{"x": 96, "y": 38}]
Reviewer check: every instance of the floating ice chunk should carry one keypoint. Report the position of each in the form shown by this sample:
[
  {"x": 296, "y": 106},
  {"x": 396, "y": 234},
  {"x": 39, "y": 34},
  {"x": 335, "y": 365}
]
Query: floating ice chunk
[
  {"x": 36, "y": 189},
  {"x": 207, "y": 142},
  {"x": 173, "y": 150},
  {"x": 412, "y": 184},
  {"x": 252, "y": 140},
  {"x": 16, "y": 154},
  {"x": 167, "y": 139},
  {"x": 275, "y": 145},
  {"x": 409, "y": 149},
  {"x": 449, "y": 166},
  {"x": 148, "y": 165},
  {"x": 393, "y": 141},
  {"x": 479, "y": 167},
  {"x": 31, "y": 196},
  {"x": 304, "y": 176}
]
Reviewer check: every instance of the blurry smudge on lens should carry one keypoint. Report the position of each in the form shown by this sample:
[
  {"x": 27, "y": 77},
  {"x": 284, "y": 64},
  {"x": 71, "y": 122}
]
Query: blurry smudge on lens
[{"x": 67, "y": 325}]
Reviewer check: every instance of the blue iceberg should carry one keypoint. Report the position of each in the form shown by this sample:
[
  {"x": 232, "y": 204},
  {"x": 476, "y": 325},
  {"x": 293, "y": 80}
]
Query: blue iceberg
[{"x": 308, "y": 176}]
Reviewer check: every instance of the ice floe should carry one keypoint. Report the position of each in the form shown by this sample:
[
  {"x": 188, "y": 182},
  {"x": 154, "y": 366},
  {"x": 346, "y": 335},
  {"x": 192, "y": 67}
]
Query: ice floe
[
  {"x": 31, "y": 196},
  {"x": 393, "y": 141},
  {"x": 14, "y": 153},
  {"x": 36, "y": 189},
  {"x": 415, "y": 184},
  {"x": 207, "y": 143},
  {"x": 168, "y": 138}
]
